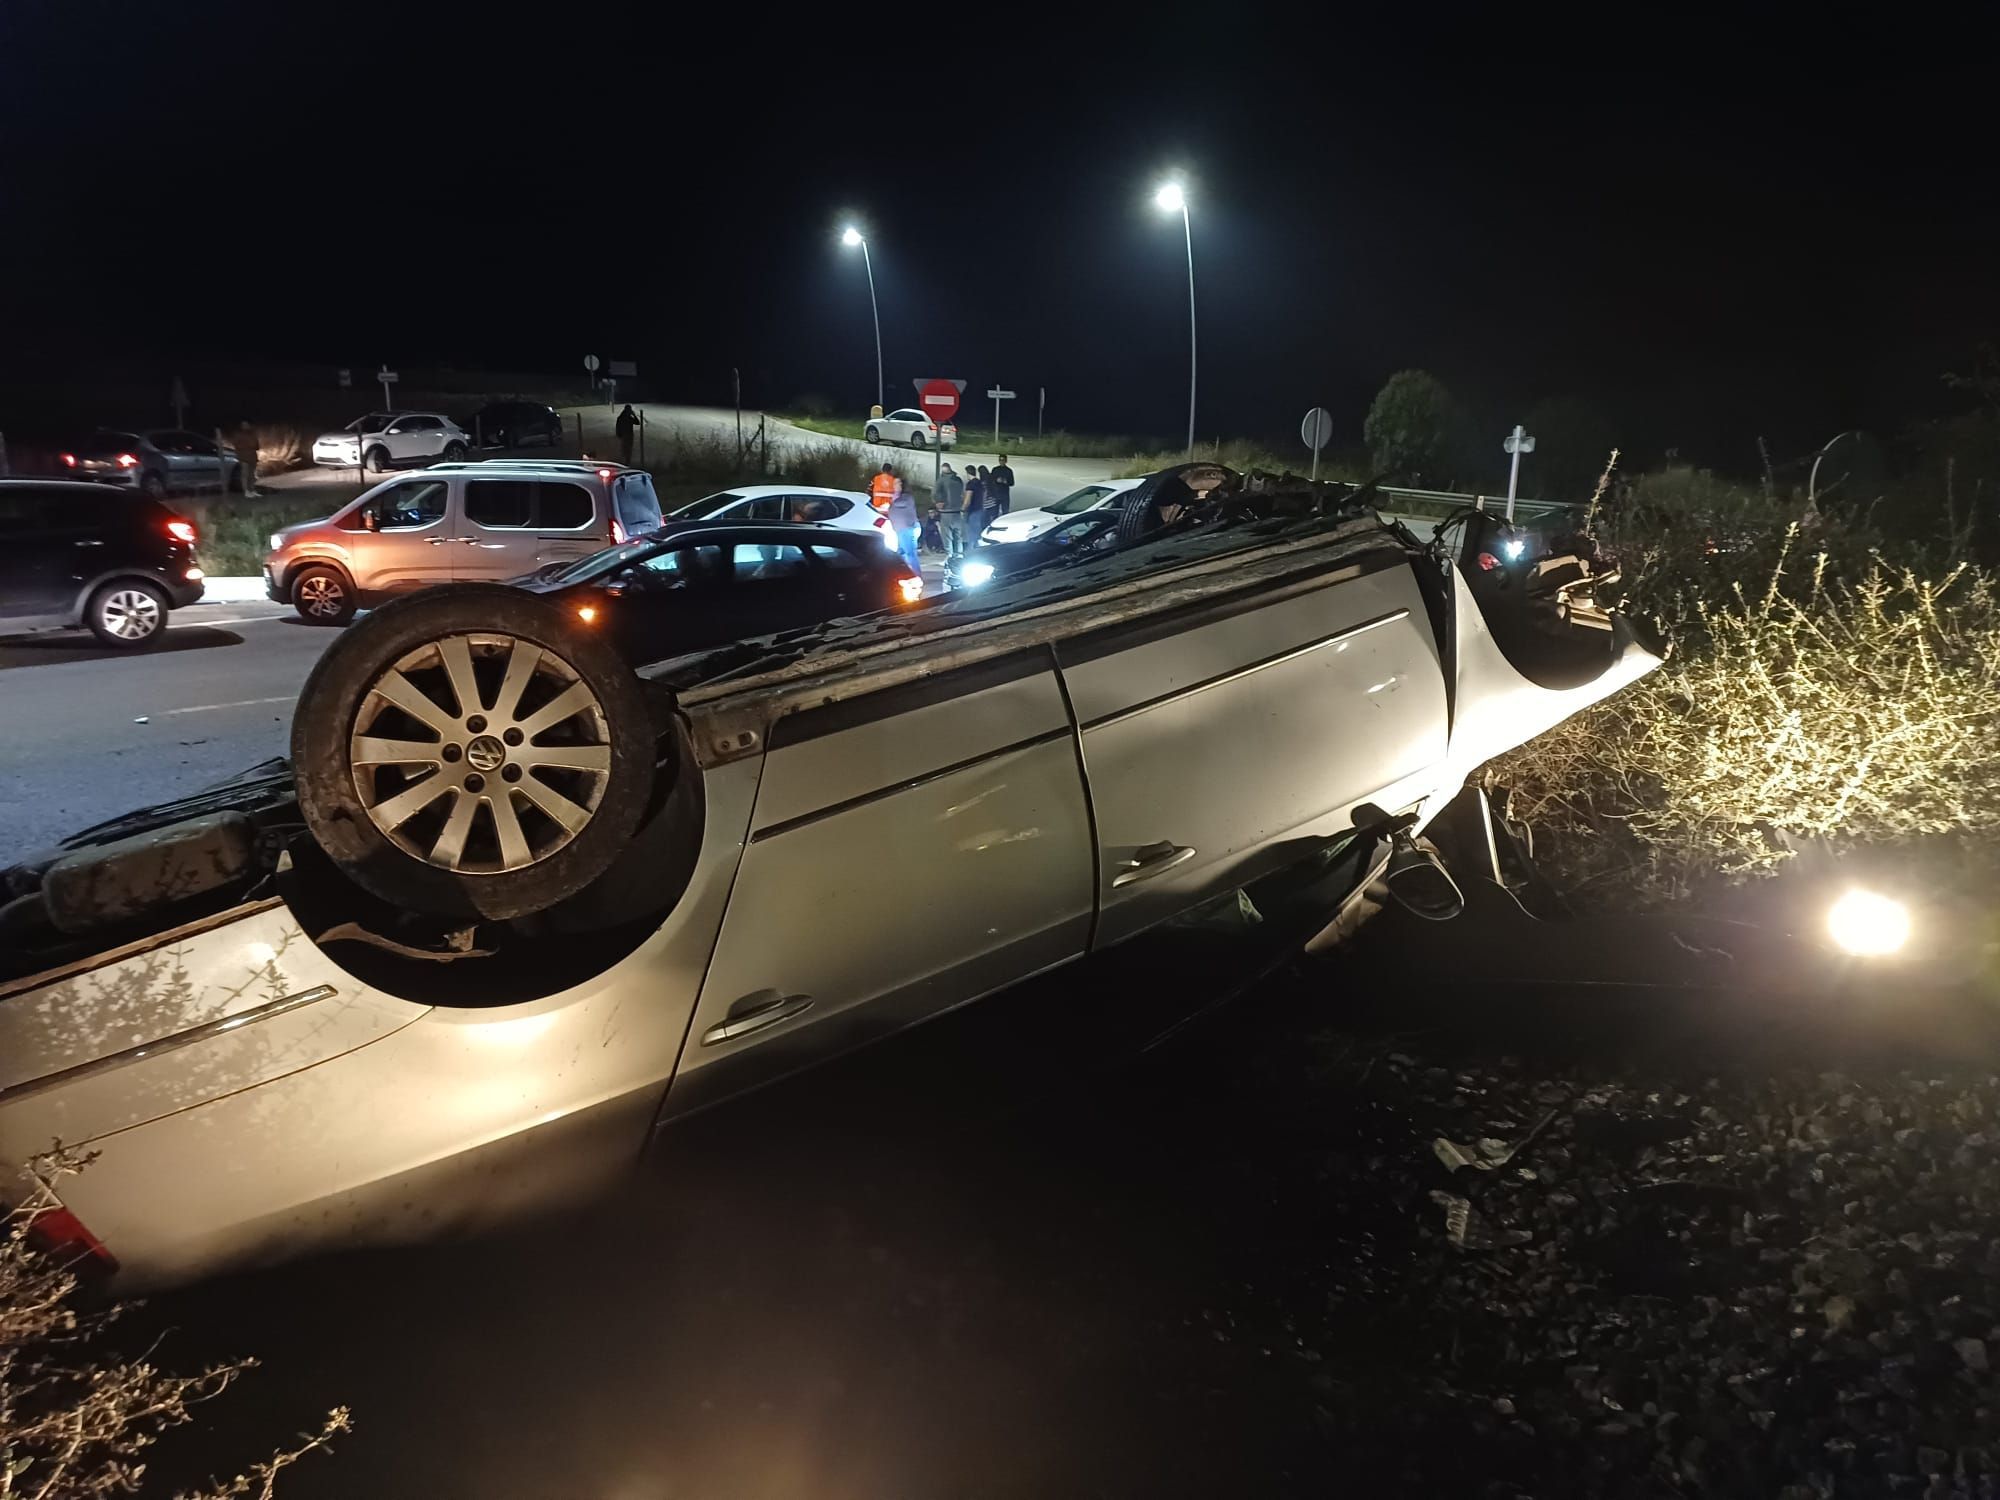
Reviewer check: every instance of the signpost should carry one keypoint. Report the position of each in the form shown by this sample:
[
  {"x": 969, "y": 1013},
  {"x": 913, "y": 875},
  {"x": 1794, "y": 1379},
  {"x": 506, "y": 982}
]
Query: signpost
[
  {"x": 388, "y": 377},
  {"x": 1041, "y": 408},
  {"x": 996, "y": 396},
  {"x": 938, "y": 400},
  {"x": 177, "y": 398},
  {"x": 1518, "y": 442},
  {"x": 1316, "y": 430}
]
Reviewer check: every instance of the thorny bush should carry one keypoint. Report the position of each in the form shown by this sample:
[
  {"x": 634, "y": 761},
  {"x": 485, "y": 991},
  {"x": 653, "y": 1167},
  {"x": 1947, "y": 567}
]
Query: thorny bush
[{"x": 76, "y": 1421}]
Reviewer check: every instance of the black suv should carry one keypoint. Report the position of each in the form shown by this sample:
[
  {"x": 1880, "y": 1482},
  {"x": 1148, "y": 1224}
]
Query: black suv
[
  {"x": 515, "y": 424},
  {"x": 84, "y": 554}
]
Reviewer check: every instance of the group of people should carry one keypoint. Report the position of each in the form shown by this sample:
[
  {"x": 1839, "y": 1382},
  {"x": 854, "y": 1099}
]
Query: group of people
[{"x": 964, "y": 506}]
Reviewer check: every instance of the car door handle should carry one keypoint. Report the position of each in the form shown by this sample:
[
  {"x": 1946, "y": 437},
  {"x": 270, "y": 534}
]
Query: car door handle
[
  {"x": 90, "y": 542},
  {"x": 439, "y": 541},
  {"x": 1149, "y": 860},
  {"x": 755, "y": 1011}
]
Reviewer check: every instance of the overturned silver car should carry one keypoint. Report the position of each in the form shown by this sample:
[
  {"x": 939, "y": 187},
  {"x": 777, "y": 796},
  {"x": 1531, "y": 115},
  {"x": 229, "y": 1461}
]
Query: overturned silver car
[{"x": 512, "y": 906}]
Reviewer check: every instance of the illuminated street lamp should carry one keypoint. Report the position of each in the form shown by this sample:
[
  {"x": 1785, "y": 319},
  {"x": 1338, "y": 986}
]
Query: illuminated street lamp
[
  {"x": 1172, "y": 198},
  {"x": 850, "y": 237}
]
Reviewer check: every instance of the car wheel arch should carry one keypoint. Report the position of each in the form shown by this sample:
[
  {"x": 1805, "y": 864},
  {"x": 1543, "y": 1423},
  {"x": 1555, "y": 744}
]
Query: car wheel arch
[{"x": 80, "y": 609}]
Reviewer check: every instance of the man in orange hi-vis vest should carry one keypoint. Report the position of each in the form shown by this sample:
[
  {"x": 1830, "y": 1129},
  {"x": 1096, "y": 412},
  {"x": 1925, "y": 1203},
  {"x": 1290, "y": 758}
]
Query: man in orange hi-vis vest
[{"x": 883, "y": 490}]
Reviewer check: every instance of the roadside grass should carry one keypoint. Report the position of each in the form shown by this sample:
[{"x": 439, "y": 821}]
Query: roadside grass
[
  {"x": 235, "y": 534},
  {"x": 687, "y": 466}
]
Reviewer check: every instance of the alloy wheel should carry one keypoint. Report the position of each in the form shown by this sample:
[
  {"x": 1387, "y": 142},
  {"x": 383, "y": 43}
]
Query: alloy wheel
[
  {"x": 130, "y": 614},
  {"x": 480, "y": 754},
  {"x": 321, "y": 595}
]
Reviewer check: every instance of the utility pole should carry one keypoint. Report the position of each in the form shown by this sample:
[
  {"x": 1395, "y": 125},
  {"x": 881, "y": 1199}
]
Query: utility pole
[{"x": 1518, "y": 442}]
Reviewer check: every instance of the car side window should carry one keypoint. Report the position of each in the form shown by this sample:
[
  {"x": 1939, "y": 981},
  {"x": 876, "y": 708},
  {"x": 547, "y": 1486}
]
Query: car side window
[
  {"x": 20, "y": 513},
  {"x": 679, "y": 567},
  {"x": 815, "y": 508},
  {"x": 765, "y": 508},
  {"x": 500, "y": 503},
  {"x": 560, "y": 506},
  {"x": 762, "y": 561},
  {"x": 167, "y": 442},
  {"x": 839, "y": 559},
  {"x": 407, "y": 506}
]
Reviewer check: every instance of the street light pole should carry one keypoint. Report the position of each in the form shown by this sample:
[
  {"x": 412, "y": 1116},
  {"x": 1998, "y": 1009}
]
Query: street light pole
[
  {"x": 853, "y": 236},
  {"x": 1171, "y": 197}
]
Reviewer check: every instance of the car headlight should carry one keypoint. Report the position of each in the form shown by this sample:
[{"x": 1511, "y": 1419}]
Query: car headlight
[
  {"x": 277, "y": 540},
  {"x": 974, "y": 574},
  {"x": 1868, "y": 924}
]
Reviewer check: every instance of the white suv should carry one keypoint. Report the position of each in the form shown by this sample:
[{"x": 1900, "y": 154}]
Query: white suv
[
  {"x": 911, "y": 427},
  {"x": 384, "y": 439}
]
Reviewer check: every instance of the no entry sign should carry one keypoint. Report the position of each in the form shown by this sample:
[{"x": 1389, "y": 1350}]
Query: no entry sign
[{"x": 938, "y": 399}]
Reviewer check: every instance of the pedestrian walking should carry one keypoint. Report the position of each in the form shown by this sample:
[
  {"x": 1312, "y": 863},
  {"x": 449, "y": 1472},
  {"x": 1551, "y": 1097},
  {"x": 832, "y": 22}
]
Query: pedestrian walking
[
  {"x": 1000, "y": 488},
  {"x": 951, "y": 511},
  {"x": 902, "y": 515},
  {"x": 246, "y": 460},
  {"x": 628, "y": 424},
  {"x": 974, "y": 508}
]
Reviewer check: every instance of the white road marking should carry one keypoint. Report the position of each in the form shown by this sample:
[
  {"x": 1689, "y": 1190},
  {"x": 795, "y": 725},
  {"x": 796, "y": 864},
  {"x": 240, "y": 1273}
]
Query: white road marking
[{"x": 202, "y": 708}]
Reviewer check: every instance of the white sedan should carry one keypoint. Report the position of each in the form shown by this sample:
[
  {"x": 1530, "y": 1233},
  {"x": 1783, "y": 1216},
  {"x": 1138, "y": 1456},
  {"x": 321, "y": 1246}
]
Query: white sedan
[
  {"x": 847, "y": 509},
  {"x": 1025, "y": 525},
  {"x": 911, "y": 428}
]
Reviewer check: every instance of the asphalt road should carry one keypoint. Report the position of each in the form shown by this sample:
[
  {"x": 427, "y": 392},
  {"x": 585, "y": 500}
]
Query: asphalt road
[{"x": 91, "y": 732}]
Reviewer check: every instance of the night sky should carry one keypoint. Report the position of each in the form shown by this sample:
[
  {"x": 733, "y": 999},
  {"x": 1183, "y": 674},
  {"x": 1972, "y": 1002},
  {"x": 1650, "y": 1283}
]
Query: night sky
[{"x": 1712, "y": 228}]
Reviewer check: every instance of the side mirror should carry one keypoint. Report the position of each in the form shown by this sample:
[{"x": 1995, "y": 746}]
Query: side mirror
[{"x": 370, "y": 521}]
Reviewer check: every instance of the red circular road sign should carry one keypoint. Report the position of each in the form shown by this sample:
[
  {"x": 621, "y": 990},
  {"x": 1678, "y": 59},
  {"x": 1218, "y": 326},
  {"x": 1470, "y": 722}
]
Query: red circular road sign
[{"x": 938, "y": 400}]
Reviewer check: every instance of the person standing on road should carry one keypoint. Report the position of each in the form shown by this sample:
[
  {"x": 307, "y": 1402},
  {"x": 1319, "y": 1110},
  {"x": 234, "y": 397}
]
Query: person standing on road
[
  {"x": 974, "y": 508},
  {"x": 882, "y": 488},
  {"x": 951, "y": 506},
  {"x": 1000, "y": 488},
  {"x": 246, "y": 460},
  {"x": 902, "y": 515},
  {"x": 628, "y": 423}
]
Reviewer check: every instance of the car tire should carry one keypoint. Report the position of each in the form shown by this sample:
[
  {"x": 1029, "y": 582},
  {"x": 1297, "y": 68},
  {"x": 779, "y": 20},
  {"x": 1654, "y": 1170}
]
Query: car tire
[
  {"x": 454, "y": 453},
  {"x": 402, "y": 848},
  {"x": 128, "y": 613},
  {"x": 152, "y": 486},
  {"x": 873, "y": 434},
  {"x": 323, "y": 596},
  {"x": 917, "y": 440},
  {"x": 376, "y": 460}
]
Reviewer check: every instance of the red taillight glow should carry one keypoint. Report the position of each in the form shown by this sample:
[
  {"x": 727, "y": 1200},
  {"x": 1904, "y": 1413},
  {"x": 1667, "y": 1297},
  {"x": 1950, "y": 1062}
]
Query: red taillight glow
[
  {"x": 603, "y": 473},
  {"x": 128, "y": 460},
  {"x": 587, "y": 613},
  {"x": 181, "y": 531},
  {"x": 617, "y": 532},
  {"x": 59, "y": 1233},
  {"x": 69, "y": 460}
]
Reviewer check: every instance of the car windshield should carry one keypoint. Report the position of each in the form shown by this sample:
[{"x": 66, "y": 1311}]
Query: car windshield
[
  {"x": 600, "y": 563},
  {"x": 1081, "y": 500},
  {"x": 375, "y": 421},
  {"x": 708, "y": 505}
]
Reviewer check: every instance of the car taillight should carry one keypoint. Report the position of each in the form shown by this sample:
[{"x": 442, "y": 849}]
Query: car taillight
[
  {"x": 912, "y": 589},
  {"x": 59, "y": 1233},
  {"x": 604, "y": 474},
  {"x": 617, "y": 532},
  {"x": 69, "y": 460},
  {"x": 881, "y": 520},
  {"x": 128, "y": 460},
  {"x": 181, "y": 531}
]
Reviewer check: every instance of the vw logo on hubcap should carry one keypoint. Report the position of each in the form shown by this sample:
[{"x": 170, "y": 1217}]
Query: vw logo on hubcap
[{"x": 485, "y": 753}]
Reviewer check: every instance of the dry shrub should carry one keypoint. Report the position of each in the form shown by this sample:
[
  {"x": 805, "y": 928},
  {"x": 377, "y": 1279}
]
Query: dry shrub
[
  {"x": 280, "y": 445},
  {"x": 75, "y": 1421},
  {"x": 1863, "y": 712}
]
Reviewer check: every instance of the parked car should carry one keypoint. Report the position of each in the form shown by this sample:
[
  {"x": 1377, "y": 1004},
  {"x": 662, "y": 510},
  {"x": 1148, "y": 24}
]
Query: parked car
[
  {"x": 979, "y": 566},
  {"x": 75, "y": 554},
  {"x": 1021, "y": 525},
  {"x": 513, "y": 906},
  {"x": 456, "y": 523},
  {"x": 162, "y": 462},
  {"x": 385, "y": 440},
  {"x": 912, "y": 427},
  {"x": 516, "y": 424},
  {"x": 693, "y": 585},
  {"x": 846, "y": 509}
]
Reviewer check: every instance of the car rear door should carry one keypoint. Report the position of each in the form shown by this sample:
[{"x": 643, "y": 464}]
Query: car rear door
[
  {"x": 911, "y": 849},
  {"x": 1228, "y": 740},
  {"x": 46, "y": 543}
]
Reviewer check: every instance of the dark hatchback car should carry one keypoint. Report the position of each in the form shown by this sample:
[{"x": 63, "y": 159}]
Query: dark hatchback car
[
  {"x": 979, "y": 566},
  {"x": 515, "y": 424},
  {"x": 76, "y": 554},
  {"x": 695, "y": 585}
]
